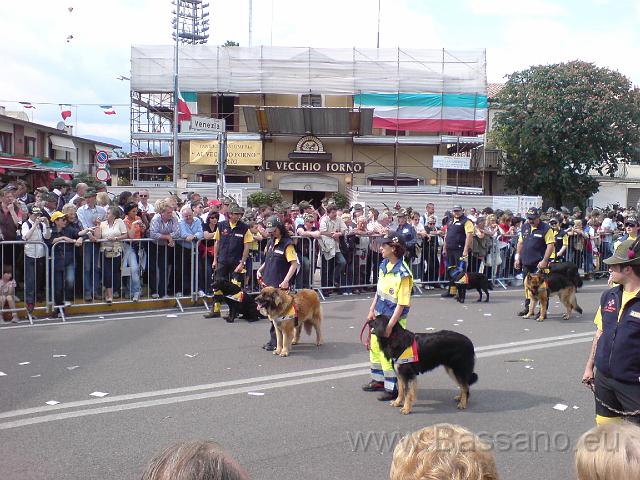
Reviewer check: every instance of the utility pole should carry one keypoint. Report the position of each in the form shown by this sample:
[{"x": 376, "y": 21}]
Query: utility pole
[{"x": 176, "y": 146}]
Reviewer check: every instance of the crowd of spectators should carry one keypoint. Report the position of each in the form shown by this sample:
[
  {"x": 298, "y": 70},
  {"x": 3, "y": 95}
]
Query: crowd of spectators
[{"x": 100, "y": 239}]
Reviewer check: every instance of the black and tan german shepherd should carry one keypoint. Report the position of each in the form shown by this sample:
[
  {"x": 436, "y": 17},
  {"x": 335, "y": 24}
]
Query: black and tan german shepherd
[{"x": 452, "y": 350}]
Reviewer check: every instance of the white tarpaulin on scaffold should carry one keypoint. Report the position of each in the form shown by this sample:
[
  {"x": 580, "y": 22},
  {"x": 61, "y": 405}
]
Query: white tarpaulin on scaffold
[{"x": 331, "y": 71}]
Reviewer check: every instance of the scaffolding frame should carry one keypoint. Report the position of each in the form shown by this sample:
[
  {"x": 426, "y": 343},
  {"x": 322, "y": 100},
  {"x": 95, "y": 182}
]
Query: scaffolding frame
[{"x": 151, "y": 112}]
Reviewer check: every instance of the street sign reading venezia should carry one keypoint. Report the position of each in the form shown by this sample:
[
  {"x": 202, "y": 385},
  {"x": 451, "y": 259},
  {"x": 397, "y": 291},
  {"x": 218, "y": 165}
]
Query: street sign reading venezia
[{"x": 205, "y": 152}]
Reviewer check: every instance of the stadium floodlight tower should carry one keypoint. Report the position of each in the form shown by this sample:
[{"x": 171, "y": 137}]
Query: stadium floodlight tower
[{"x": 190, "y": 27}]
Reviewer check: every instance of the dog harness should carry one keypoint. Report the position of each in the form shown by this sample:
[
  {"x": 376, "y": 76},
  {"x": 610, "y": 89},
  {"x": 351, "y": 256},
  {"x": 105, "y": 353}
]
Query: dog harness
[
  {"x": 292, "y": 314},
  {"x": 238, "y": 297},
  {"x": 410, "y": 354},
  {"x": 464, "y": 280}
]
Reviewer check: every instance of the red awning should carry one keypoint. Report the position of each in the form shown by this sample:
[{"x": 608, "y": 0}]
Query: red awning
[
  {"x": 65, "y": 176},
  {"x": 16, "y": 162}
]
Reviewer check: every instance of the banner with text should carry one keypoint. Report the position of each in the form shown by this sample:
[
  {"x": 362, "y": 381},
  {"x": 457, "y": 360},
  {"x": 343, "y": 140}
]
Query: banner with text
[{"x": 243, "y": 153}]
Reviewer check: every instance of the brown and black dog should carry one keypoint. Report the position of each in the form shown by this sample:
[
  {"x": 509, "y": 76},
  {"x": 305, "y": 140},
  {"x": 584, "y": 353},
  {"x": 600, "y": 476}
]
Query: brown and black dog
[
  {"x": 540, "y": 287},
  {"x": 454, "y": 351},
  {"x": 289, "y": 313}
]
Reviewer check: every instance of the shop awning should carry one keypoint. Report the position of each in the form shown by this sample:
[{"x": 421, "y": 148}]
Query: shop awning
[
  {"x": 312, "y": 183},
  {"x": 7, "y": 162},
  {"x": 62, "y": 143}
]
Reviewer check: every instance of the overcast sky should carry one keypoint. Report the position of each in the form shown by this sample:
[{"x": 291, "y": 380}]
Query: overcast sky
[{"x": 39, "y": 65}]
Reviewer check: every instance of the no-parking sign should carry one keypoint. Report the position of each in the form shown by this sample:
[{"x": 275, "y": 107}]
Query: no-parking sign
[
  {"x": 102, "y": 157},
  {"x": 102, "y": 175}
]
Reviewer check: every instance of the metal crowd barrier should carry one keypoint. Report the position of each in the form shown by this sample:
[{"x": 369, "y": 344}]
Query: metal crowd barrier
[
  {"x": 50, "y": 278},
  {"x": 25, "y": 278}
]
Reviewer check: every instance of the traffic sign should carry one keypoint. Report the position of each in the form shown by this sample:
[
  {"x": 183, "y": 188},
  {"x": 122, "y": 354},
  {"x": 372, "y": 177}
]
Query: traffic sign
[
  {"x": 102, "y": 175},
  {"x": 102, "y": 157}
]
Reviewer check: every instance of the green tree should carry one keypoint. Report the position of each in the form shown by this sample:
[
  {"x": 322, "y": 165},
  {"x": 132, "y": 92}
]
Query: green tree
[
  {"x": 231, "y": 43},
  {"x": 558, "y": 124}
]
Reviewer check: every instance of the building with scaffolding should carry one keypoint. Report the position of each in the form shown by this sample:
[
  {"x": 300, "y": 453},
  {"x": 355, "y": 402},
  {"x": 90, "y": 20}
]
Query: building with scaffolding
[{"x": 310, "y": 122}]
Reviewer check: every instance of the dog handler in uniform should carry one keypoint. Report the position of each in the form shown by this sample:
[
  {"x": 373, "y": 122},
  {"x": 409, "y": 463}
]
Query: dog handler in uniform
[
  {"x": 280, "y": 264},
  {"x": 536, "y": 244},
  {"x": 457, "y": 242},
  {"x": 233, "y": 240},
  {"x": 392, "y": 299},
  {"x": 615, "y": 351}
]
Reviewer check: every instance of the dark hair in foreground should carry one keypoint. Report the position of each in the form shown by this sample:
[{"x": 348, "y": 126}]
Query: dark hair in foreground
[{"x": 196, "y": 460}]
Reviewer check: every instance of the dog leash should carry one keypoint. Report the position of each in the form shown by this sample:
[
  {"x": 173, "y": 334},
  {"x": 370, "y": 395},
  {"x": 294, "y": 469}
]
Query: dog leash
[
  {"x": 633, "y": 413},
  {"x": 367, "y": 343}
]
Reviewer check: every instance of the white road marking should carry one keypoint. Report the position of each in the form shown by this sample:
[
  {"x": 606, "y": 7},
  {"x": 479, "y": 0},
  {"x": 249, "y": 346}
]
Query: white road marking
[
  {"x": 110, "y": 317},
  {"x": 240, "y": 386}
]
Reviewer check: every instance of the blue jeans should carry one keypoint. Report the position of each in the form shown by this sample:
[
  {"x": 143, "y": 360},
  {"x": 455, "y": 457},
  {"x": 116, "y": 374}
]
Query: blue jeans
[
  {"x": 64, "y": 277},
  {"x": 131, "y": 259},
  {"x": 91, "y": 269}
]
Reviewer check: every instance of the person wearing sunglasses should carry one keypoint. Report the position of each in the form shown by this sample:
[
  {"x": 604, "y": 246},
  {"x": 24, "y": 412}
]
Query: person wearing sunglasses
[
  {"x": 630, "y": 231},
  {"x": 561, "y": 240},
  {"x": 144, "y": 205}
]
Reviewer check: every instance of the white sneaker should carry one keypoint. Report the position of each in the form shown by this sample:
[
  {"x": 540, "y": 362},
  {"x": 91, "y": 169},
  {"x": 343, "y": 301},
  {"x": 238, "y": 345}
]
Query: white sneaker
[
  {"x": 155, "y": 295},
  {"x": 136, "y": 297},
  {"x": 201, "y": 293}
]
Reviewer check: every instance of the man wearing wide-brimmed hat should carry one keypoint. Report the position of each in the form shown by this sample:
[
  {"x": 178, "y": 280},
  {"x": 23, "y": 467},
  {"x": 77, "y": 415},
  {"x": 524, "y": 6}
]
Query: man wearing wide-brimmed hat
[{"x": 615, "y": 351}]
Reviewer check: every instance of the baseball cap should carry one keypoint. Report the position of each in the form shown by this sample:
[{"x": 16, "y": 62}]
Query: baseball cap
[
  {"x": 33, "y": 209},
  {"x": 304, "y": 205},
  {"x": 236, "y": 209},
  {"x": 393, "y": 237},
  {"x": 56, "y": 215},
  {"x": 272, "y": 223},
  {"x": 357, "y": 206},
  {"x": 214, "y": 203},
  {"x": 633, "y": 221},
  {"x": 402, "y": 212},
  {"x": 308, "y": 217},
  {"x": 532, "y": 213},
  {"x": 456, "y": 207}
]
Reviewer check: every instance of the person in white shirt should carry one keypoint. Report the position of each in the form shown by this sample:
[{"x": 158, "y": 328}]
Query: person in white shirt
[
  {"x": 144, "y": 204},
  {"x": 81, "y": 188},
  {"x": 90, "y": 215},
  {"x": 111, "y": 231},
  {"x": 332, "y": 262},
  {"x": 606, "y": 234},
  {"x": 35, "y": 229}
]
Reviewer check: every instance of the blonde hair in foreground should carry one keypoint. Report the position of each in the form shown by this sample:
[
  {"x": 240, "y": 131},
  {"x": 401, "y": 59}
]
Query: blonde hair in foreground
[
  {"x": 197, "y": 460},
  {"x": 443, "y": 452},
  {"x": 609, "y": 452}
]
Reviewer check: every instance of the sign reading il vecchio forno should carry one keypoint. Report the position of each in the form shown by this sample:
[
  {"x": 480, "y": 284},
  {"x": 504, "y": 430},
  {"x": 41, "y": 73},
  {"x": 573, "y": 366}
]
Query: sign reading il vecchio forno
[
  {"x": 304, "y": 166},
  {"x": 205, "y": 152}
]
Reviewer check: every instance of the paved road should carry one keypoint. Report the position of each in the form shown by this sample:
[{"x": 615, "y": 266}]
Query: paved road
[{"x": 175, "y": 376}]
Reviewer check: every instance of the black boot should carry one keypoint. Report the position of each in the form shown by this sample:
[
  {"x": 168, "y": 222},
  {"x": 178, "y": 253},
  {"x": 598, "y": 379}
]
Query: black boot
[{"x": 525, "y": 310}]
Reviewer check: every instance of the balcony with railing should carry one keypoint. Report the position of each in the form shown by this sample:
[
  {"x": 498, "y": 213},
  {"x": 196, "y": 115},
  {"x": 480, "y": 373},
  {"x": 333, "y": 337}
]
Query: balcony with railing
[{"x": 487, "y": 159}]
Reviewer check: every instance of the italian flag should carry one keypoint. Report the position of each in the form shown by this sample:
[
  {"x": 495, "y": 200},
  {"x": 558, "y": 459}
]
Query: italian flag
[
  {"x": 427, "y": 112},
  {"x": 185, "y": 105},
  {"x": 108, "y": 109},
  {"x": 27, "y": 105},
  {"x": 65, "y": 111}
]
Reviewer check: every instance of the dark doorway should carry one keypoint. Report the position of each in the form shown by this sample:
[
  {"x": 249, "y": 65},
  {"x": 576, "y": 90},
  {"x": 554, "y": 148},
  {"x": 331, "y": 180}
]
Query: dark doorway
[{"x": 313, "y": 197}]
